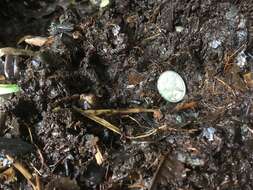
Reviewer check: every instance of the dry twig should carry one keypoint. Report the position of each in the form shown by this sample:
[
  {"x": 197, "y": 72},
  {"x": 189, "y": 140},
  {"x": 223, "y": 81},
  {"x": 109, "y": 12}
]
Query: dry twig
[
  {"x": 116, "y": 111},
  {"x": 153, "y": 182},
  {"x": 228, "y": 59},
  {"x": 91, "y": 114},
  {"x": 16, "y": 52},
  {"x": 23, "y": 171},
  {"x": 99, "y": 120},
  {"x": 225, "y": 84}
]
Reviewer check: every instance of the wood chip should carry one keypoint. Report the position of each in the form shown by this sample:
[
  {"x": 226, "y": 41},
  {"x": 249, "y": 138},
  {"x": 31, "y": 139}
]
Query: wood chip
[
  {"x": 248, "y": 79},
  {"x": 185, "y": 106},
  {"x": 99, "y": 156},
  {"x": 36, "y": 40},
  {"x": 15, "y": 51}
]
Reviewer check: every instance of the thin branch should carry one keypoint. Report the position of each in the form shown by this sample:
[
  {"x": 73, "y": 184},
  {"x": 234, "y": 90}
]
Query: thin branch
[
  {"x": 99, "y": 120},
  {"x": 22, "y": 170},
  {"x": 116, "y": 111},
  {"x": 153, "y": 182},
  {"x": 15, "y": 51}
]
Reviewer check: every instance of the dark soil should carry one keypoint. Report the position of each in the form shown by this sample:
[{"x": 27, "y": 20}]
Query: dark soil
[{"x": 115, "y": 55}]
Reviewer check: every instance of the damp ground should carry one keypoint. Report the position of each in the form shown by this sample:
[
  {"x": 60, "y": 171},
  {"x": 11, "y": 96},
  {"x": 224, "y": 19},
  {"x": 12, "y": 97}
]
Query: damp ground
[{"x": 110, "y": 58}]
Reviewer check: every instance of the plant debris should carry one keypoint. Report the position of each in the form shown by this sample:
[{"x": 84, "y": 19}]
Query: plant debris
[
  {"x": 14, "y": 51},
  {"x": 8, "y": 89},
  {"x": 36, "y": 40}
]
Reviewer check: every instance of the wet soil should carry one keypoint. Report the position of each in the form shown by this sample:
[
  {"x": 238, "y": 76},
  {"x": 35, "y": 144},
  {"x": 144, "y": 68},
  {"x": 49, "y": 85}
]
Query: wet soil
[{"x": 114, "y": 56}]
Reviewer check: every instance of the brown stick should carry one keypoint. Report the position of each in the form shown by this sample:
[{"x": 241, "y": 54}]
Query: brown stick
[
  {"x": 116, "y": 111},
  {"x": 22, "y": 170}
]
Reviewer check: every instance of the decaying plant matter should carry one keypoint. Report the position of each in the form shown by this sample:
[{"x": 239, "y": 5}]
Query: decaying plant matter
[{"x": 80, "y": 108}]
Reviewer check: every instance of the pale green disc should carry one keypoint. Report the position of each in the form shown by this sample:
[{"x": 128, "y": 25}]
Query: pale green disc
[{"x": 171, "y": 86}]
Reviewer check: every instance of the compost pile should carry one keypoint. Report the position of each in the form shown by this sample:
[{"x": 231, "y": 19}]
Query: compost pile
[{"x": 89, "y": 116}]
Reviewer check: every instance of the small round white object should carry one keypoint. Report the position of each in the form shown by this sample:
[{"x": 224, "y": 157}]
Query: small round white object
[{"x": 171, "y": 86}]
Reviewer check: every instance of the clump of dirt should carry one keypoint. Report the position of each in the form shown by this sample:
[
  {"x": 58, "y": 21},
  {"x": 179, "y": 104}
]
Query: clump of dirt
[{"x": 111, "y": 58}]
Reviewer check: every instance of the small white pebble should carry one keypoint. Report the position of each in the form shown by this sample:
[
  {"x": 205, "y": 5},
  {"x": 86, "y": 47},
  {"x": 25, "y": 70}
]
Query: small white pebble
[
  {"x": 215, "y": 44},
  {"x": 209, "y": 133},
  {"x": 131, "y": 86},
  {"x": 179, "y": 28},
  {"x": 241, "y": 59},
  {"x": 116, "y": 30},
  {"x": 171, "y": 86},
  {"x": 242, "y": 24}
]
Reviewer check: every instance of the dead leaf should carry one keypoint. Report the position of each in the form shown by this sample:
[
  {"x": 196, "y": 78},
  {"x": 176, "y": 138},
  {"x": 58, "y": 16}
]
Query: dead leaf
[
  {"x": 36, "y": 40},
  {"x": 8, "y": 175},
  {"x": 187, "y": 105}
]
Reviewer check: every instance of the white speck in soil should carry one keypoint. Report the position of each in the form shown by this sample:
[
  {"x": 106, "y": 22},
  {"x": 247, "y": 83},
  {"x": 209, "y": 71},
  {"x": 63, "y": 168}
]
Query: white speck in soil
[
  {"x": 208, "y": 133},
  {"x": 215, "y": 44},
  {"x": 115, "y": 30},
  {"x": 241, "y": 59}
]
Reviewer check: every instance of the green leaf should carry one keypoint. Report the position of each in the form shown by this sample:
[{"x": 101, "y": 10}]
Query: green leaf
[
  {"x": 104, "y": 3},
  {"x": 8, "y": 88}
]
